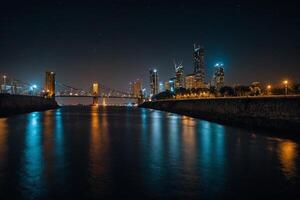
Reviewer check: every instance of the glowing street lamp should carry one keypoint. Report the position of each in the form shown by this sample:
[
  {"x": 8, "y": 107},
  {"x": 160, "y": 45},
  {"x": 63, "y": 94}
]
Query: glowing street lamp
[
  {"x": 286, "y": 82},
  {"x": 269, "y": 87},
  {"x": 4, "y": 82}
]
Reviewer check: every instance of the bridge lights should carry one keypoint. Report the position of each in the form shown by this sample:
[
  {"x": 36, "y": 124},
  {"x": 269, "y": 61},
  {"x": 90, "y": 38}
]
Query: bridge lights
[{"x": 32, "y": 88}]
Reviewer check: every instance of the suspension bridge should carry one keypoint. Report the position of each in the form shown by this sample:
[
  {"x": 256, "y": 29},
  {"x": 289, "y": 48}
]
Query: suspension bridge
[{"x": 54, "y": 88}]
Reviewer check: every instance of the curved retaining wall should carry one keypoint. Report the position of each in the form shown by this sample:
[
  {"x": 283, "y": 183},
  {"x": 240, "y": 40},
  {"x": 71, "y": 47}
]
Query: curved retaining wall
[
  {"x": 16, "y": 104},
  {"x": 280, "y": 113}
]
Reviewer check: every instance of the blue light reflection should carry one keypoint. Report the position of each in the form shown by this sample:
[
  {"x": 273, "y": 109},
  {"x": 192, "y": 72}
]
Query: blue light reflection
[{"x": 32, "y": 176}]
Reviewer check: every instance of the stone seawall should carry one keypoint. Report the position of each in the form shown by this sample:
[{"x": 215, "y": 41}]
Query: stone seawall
[
  {"x": 17, "y": 104},
  {"x": 279, "y": 113}
]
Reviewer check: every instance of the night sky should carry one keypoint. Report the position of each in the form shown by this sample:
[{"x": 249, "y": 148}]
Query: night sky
[{"x": 115, "y": 42}]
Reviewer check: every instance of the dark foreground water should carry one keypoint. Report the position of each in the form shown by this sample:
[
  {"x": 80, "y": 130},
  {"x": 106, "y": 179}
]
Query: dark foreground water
[{"x": 83, "y": 152}]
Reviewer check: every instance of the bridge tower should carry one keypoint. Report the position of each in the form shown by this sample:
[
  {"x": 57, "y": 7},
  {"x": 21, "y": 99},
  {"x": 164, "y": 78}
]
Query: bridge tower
[
  {"x": 140, "y": 101},
  {"x": 95, "y": 93},
  {"x": 49, "y": 88}
]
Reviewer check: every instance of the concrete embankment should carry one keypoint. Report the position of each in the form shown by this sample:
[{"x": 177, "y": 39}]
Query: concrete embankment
[
  {"x": 277, "y": 113},
  {"x": 17, "y": 104}
]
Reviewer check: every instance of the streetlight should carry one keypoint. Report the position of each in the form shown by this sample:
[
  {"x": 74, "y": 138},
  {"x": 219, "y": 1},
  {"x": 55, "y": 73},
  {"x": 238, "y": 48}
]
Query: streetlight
[
  {"x": 4, "y": 82},
  {"x": 269, "y": 89},
  {"x": 286, "y": 82}
]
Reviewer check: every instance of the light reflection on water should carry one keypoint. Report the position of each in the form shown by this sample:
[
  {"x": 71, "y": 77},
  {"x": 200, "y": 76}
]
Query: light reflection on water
[
  {"x": 33, "y": 177},
  {"x": 59, "y": 151},
  {"x": 84, "y": 152},
  {"x": 188, "y": 139},
  {"x": 287, "y": 153},
  {"x": 174, "y": 143},
  {"x": 3, "y": 147},
  {"x": 98, "y": 165}
]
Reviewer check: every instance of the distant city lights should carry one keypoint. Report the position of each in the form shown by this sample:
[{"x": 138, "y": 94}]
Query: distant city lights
[{"x": 219, "y": 64}]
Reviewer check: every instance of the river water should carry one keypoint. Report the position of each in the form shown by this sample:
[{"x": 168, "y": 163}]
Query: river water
[{"x": 124, "y": 152}]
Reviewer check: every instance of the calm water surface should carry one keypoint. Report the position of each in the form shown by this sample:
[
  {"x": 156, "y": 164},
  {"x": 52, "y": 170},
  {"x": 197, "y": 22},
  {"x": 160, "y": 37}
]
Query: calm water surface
[{"x": 98, "y": 153}]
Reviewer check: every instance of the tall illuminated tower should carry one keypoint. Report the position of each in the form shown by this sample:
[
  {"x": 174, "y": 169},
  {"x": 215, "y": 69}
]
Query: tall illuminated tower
[
  {"x": 154, "y": 85},
  {"x": 219, "y": 76},
  {"x": 50, "y": 84},
  {"x": 199, "y": 68},
  {"x": 179, "y": 82}
]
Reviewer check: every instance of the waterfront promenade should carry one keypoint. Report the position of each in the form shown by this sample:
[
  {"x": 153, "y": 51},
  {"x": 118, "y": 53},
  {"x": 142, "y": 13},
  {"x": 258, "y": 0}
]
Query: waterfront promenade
[{"x": 270, "y": 112}]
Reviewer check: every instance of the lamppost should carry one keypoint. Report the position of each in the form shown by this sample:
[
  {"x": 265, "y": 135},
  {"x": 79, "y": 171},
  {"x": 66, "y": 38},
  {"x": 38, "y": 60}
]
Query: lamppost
[
  {"x": 269, "y": 89},
  {"x": 4, "y": 82},
  {"x": 286, "y": 82}
]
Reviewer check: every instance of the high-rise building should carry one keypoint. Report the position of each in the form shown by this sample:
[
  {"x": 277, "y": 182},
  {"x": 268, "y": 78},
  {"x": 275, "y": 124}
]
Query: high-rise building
[
  {"x": 167, "y": 86},
  {"x": 218, "y": 78},
  {"x": 199, "y": 68},
  {"x": 50, "y": 84},
  {"x": 137, "y": 88},
  {"x": 154, "y": 85},
  {"x": 190, "y": 82},
  {"x": 172, "y": 84},
  {"x": 161, "y": 87},
  {"x": 130, "y": 88},
  {"x": 179, "y": 81}
]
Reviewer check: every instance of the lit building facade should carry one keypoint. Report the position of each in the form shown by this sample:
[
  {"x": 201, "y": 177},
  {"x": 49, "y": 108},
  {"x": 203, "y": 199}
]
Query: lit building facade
[
  {"x": 172, "y": 84},
  {"x": 161, "y": 87},
  {"x": 179, "y": 81},
  {"x": 199, "y": 68},
  {"x": 154, "y": 82},
  {"x": 167, "y": 86},
  {"x": 50, "y": 84},
  {"x": 190, "y": 81},
  {"x": 218, "y": 78}
]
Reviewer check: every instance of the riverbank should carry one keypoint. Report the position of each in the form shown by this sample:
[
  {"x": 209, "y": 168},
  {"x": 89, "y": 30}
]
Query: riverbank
[
  {"x": 18, "y": 104},
  {"x": 276, "y": 113}
]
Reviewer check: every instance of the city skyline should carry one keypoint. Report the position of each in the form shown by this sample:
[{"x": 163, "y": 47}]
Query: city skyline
[
  {"x": 112, "y": 39},
  {"x": 149, "y": 99}
]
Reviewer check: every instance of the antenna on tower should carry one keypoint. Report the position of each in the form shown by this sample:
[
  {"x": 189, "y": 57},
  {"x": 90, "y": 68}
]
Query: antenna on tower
[{"x": 175, "y": 64}]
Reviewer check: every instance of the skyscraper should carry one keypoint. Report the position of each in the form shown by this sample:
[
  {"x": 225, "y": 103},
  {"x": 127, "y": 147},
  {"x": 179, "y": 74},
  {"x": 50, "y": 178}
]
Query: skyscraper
[
  {"x": 199, "y": 70},
  {"x": 219, "y": 76},
  {"x": 50, "y": 84},
  {"x": 154, "y": 85},
  {"x": 179, "y": 82},
  {"x": 172, "y": 84},
  {"x": 161, "y": 87},
  {"x": 167, "y": 86}
]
